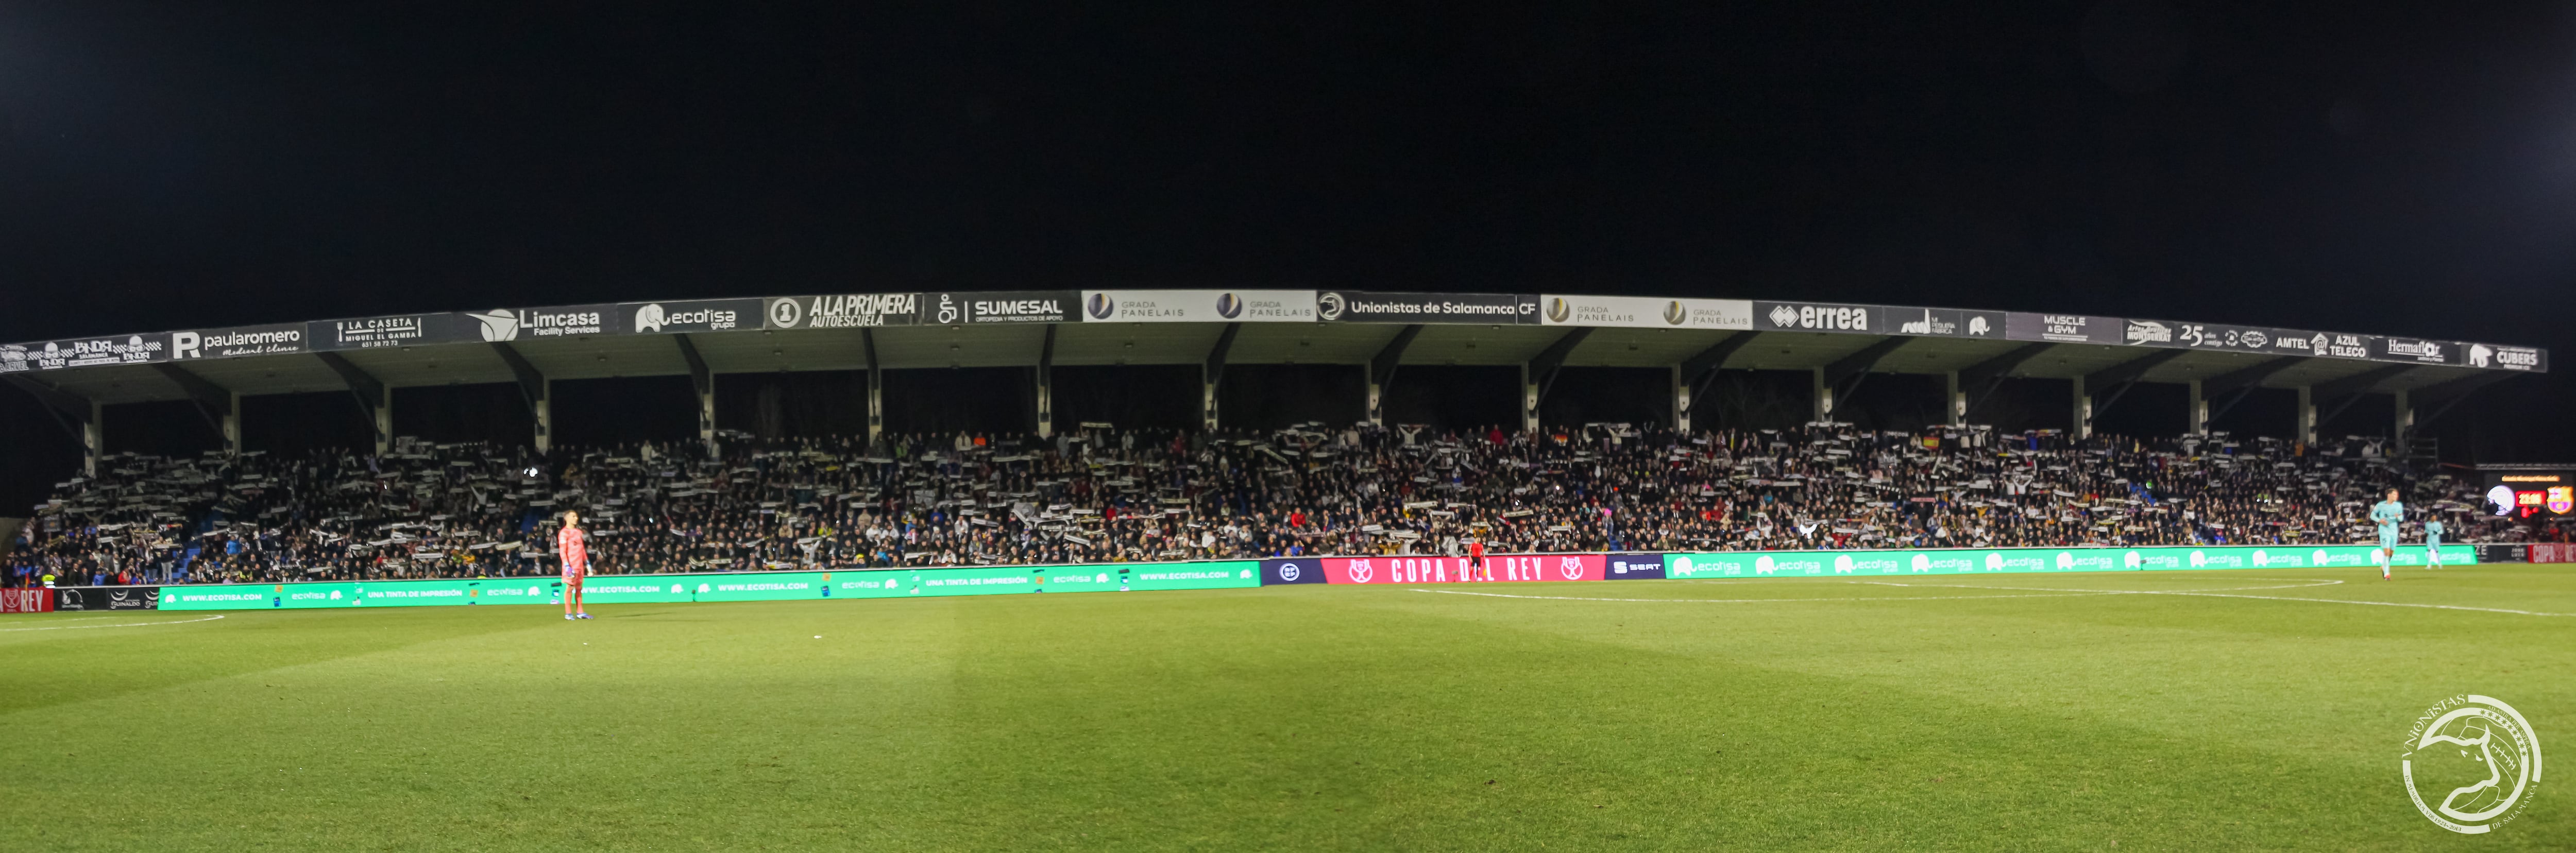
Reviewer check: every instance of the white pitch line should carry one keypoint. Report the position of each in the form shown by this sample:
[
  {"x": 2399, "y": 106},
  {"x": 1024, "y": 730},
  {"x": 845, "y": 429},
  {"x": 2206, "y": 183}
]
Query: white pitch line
[
  {"x": 1755, "y": 600},
  {"x": 126, "y": 625},
  {"x": 2223, "y": 594}
]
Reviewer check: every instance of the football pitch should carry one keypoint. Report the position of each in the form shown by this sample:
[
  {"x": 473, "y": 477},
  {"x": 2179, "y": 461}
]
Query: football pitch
[{"x": 2149, "y": 711}]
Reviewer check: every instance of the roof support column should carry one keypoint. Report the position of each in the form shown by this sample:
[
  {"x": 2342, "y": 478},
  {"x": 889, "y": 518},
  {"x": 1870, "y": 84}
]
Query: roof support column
[
  {"x": 2403, "y": 428},
  {"x": 232, "y": 424},
  {"x": 218, "y": 405},
  {"x": 1823, "y": 394},
  {"x": 1529, "y": 400},
  {"x": 2083, "y": 428},
  {"x": 93, "y": 439},
  {"x": 704, "y": 382},
  {"x": 375, "y": 399},
  {"x": 1381, "y": 370},
  {"x": 536, "y": 388},
  {"x": 2306, "y": 426},
  {"x": 876, "y": 384},
  {"x": 1681, "y": 397},
  {"x": 384, "y": 419},
  {"x": 1213, "y": 371},
  {"x": 545, "y": 411},
  {"x": 1538, "y": 375},
  {"x": 2196, "y": 413},
  {"x": 1046, "y": 385},
  {"x": 1954, "y": 402}
]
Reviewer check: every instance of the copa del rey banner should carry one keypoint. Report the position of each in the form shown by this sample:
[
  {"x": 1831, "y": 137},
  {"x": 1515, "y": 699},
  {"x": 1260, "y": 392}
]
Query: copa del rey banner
[{"x": 1504, "y": 567}]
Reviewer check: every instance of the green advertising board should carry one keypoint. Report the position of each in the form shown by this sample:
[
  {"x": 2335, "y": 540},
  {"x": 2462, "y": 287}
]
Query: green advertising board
[
  {"x": 743, "y": 586},
  {"x": 1749, "y": 564}
]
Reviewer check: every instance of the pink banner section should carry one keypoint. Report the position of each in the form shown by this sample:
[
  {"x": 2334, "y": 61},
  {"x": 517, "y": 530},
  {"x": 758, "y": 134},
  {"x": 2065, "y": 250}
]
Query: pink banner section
[
  {"x": 2553, "y": 552},
  {"x": 1502, "y": 567},
  {"x": 26, "y": 600}
]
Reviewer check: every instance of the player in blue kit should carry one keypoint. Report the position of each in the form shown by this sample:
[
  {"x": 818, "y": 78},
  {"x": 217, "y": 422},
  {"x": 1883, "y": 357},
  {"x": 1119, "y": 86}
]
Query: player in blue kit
[
  {"x": 2387, "y": 514},
  {"x": 2432, "y": 543}
]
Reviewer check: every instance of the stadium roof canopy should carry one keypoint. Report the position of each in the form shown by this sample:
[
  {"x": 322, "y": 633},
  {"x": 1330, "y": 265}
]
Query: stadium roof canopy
[{"x": 933, "y": 330}]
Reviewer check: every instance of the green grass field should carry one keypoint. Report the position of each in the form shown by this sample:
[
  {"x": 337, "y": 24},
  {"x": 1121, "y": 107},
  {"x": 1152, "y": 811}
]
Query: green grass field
[{"x": 1978, "y": 713}]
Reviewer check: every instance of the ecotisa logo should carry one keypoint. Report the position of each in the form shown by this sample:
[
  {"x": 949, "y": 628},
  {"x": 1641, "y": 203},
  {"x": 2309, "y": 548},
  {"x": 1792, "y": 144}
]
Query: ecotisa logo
[{"x": 2472, "y": 763}]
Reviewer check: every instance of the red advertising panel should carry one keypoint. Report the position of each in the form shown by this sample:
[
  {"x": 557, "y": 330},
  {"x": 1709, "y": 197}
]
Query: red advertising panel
[
  {"x": 1503, "y": 567},
  {"x": 29, "y": 600}
]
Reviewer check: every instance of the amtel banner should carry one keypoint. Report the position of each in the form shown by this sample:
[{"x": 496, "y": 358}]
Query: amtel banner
[
  {"x": 1746, "y": 564},
  {"x": 743, "y": 586}
]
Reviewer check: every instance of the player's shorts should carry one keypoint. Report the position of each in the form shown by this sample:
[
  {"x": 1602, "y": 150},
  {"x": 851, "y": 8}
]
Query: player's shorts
[
  {"x": 1475, "y": 561},
  {"x": 574, "y": 578},
  {"x": 2388, "y": 537}
]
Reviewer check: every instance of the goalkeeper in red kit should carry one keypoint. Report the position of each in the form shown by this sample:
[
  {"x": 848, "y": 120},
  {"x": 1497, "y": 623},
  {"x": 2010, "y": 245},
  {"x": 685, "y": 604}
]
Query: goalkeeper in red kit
[{"x": 575, "y": 553}]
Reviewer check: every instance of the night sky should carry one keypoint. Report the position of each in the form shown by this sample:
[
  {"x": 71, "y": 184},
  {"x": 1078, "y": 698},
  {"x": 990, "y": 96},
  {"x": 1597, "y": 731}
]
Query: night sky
[{"x": 2325, "y": 165}]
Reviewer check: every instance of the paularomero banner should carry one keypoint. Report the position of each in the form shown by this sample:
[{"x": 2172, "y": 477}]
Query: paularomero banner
[
  {"x": 742, "y": 586},
  {"x": 1983, "y": 561}
]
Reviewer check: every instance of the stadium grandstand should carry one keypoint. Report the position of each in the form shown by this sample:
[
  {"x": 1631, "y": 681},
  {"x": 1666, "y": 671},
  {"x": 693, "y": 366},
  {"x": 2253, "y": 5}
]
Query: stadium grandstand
[{"x": 1034, "y": 491}]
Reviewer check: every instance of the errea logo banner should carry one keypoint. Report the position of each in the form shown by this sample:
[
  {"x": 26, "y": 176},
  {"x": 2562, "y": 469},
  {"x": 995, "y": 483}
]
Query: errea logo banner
[{"x": 1817, "y": 317}]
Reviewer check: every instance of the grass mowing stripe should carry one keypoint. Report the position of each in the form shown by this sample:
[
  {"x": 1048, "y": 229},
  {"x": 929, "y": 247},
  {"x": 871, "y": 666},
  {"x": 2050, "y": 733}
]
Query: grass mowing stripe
[
  {"x": 126, "y": 625},
  {"x": 2217, "y": 594},
  {"x": 1295, "y": 717}
]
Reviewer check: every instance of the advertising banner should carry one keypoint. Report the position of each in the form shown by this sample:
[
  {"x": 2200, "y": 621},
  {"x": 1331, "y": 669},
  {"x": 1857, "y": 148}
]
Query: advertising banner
[
  {"x": 1504, "y": 567},
  {"x": 2487, "y": 356},
  {"x": 372, "y": 332},
  {"x": 91, "y": 352},
  {"x": 1645, "y": 312},
  {"x": 26, "y": 600},
  {"x": 703, "y": 315},
  {"x": 1293, "y": 570},
  {"x": 107, "y": 598},
  {"x": 1635, "y": 567},
  {"x": 1748, "y": 564},
  {"x": 2062, "y": 328},
  {"x": 2260, "y": 340},
  {"x": 1947, "y": 322},
  {"x": 235, "y": 342},
  {"x": 1198, "y": 306},
  {"x": 1354, "y": 306},
  {"x": 502, "y": 324},
  {"x": 735, "y": 586},
  {"x": 1008, "y": 306},
  {"x": 843, "y": 311},
  {"x": 2416, "y": 351},
  {"x": 1817, "y": 317}
]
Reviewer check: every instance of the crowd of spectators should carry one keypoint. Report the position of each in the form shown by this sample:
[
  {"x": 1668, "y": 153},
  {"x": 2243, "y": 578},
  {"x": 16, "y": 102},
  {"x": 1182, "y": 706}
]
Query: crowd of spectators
[{"x": 1097, "y": 495}]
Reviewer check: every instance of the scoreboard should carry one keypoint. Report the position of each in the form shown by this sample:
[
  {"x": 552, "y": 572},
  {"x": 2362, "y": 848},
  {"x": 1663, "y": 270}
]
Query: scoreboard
[{"x": 2530, "y": 491}]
